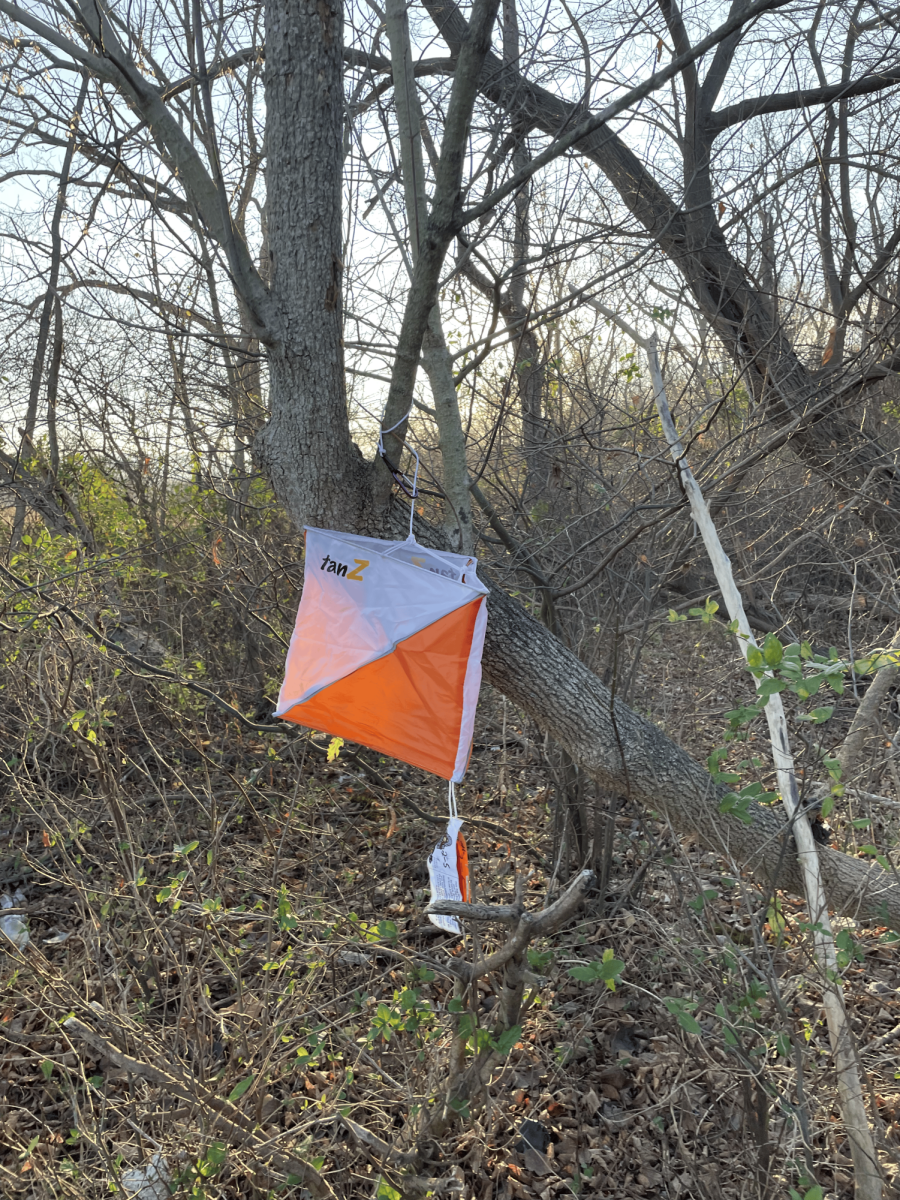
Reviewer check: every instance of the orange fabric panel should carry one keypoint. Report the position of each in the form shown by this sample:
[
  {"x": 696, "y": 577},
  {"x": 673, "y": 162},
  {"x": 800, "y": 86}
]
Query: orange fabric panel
[
  {"x": 407, "y": 704},
  {"x": 462, "y": 868}
]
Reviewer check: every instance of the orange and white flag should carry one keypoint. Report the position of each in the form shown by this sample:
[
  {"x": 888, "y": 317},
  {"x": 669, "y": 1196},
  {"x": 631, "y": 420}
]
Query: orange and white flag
[{"x": 386, "y": 649}]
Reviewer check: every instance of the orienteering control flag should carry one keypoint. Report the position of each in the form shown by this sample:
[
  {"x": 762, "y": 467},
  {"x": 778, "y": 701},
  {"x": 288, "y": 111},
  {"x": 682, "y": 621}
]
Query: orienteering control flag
[{"x": 386, "y": 649}]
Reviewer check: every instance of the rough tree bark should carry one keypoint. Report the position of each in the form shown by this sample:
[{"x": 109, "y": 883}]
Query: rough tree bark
[{"x": 316, "y": 471}]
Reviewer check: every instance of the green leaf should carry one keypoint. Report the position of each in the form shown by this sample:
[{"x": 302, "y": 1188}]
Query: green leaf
[
  {"x": 769, "y": 687},
  {"x": 687, "y": 1023},
  {"x": 754, "y": 656},
  {"x": 238, "y": 1090},
  {"x": 743, "y": 715},
  {"x": 217, "y": 1153},
  {"x": 606, "y": 970},
  {"x": 818, "y": 715},
  {"x": 773, "y": 651},
  {"x": 737, "y": 806},
  {"x": 47, "y": 1068},
  {"x": 387, "y": 931},
  {"x": 466, "y": 1026},
  {"x": 681, "y": 1010},
  {"x": 775, "y": 917},
  {"x": 187, "y": 848},
  {"x": 783, "y": 1045},
  {"x": 384, "y": 1191},
  {"x": 538, "y": 959},
  {"x": 610, "y": 971},
  {"x": 706, "y": 895},
  {"x": 505, "y": 1042},
  {"x": 584, "y": 973},
  {"x": 715, "y": 758}
]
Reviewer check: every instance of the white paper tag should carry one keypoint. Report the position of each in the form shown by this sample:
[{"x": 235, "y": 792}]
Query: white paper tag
[{"x": 443, "y": 875}]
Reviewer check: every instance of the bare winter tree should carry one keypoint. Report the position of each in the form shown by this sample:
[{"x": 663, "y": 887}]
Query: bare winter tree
[{"x": 683, "y": 219}]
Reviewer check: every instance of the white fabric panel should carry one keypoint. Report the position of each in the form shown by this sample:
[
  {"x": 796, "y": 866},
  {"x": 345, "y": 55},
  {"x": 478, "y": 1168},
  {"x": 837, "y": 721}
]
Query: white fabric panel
[
  {"x": 471, "y": 688},
  {"x": 361, "y": 596},
  {"x": 460, "y": 567}
]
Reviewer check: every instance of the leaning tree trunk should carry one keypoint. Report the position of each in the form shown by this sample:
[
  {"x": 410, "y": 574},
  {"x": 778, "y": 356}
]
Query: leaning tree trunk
[{"x": 629, "y": 754}]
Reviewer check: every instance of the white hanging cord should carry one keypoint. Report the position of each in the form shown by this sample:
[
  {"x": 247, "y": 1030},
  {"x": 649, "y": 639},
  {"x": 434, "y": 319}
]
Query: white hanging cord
[
  {"x": 382, "y": 431},
  {"x": 402, "y": 479},
  {"x": 451, "y": 800},
  {"x": 411, "y": 488}
]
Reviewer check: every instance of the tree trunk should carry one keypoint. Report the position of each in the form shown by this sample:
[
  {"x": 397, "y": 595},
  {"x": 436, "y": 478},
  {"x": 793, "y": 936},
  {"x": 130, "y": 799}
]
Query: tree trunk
[
  {"x": 316, "y": 471},
  {"x": 435, "y": 355}
]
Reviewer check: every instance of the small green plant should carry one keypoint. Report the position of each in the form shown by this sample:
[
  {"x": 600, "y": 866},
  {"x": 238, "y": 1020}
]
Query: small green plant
[
  {"x": 814, "y": 1193},
  {"x": 630, "y": 369},
  {"x": 538, "y": 960},
  {"x": 682, "y": 1011},
  {"x": 607, "y": 969},
  {"x": 285, "y": 918},
  {"x": 203, "y": 1171},
  {"x": 848, "y": 949},
  {"x": 478, "y": 1039},
  {"x": 409, "y": 1013},
  {"x": 779, "y": 667},
  {"x": 381, "y": 931}
]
